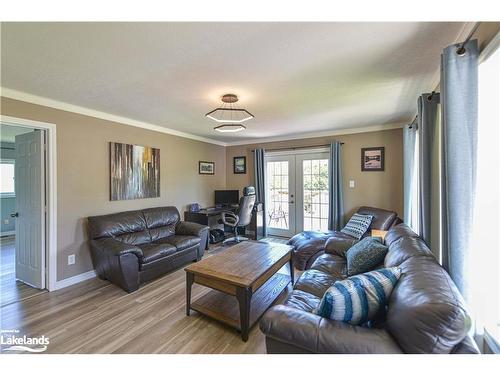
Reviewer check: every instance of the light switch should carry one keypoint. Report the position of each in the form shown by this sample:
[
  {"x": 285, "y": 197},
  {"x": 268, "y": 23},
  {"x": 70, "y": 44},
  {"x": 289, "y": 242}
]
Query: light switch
[{"x": 351, "y": 184}]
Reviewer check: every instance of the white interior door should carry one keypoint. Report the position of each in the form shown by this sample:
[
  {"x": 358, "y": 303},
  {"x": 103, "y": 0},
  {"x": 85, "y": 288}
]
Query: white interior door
[
  {"x": 312, "y": 191},
  {"x": 30, "y": 207},
  {"x": 280, "y": 195}
]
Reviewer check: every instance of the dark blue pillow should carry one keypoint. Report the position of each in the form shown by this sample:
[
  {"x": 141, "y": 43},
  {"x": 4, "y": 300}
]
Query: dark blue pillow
[{"x": 365, "y": 255}]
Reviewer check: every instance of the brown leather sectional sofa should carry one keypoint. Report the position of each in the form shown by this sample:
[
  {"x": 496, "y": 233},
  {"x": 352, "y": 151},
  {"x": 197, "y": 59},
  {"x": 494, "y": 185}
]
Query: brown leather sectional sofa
[
  {"x": 425, "y": 313},
  {"x": 129, "y": 248},
  {"x": 309, "y": 245}
]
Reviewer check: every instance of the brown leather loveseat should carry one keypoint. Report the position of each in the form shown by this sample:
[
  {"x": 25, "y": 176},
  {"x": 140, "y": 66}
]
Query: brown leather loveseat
[
  {"x": 425, "y": 313},
  {"x": 129, "y": 248},
  {"x": 309, "y": 245}
]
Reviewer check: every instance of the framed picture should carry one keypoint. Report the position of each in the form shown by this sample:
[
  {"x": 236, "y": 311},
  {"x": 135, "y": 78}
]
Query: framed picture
[
  {"x": 134, "y": 171},
  {"x": 206, "y": 167},
  {"x": 240, "y": 165},
  {"x": 372, "y": 159}
]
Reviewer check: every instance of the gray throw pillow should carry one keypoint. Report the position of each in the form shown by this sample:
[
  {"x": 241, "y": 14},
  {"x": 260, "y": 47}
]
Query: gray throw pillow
[
  {"x": 365, "y": 255},
  {"x": 357, "y": 225}
]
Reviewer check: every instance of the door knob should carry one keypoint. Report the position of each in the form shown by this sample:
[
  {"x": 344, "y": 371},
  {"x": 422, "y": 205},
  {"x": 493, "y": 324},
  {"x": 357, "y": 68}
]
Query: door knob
[
  {"x": 291, "y": 202},
  {"x": 14, "y": 214}
]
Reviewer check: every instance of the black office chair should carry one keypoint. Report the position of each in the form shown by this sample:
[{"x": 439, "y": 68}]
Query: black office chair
[{"x": 242, "y": 217}]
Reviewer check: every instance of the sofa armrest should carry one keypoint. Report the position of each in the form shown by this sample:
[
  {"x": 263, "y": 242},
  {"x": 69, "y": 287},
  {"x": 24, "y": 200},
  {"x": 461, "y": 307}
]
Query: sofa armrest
[
  {"x": 194, "y": 229},
  {"x": 117, "y": 262},
  {"x": 313, "y": 333},
  {"x": 339, "y": 245},
  {"x": 110, "y": 246},
  {"x": 188, "y": 228}
]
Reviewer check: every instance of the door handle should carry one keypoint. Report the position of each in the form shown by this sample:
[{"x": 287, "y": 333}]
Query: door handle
[
  {"x": 14, "y": 214},
  {"x": 291, "y": 202}
]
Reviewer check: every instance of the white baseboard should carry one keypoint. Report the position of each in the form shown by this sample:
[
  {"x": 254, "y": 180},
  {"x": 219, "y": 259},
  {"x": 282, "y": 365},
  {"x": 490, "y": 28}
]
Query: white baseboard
[
  {"x": 9, "y": 233},
  {"x": 74, "y": 280}
]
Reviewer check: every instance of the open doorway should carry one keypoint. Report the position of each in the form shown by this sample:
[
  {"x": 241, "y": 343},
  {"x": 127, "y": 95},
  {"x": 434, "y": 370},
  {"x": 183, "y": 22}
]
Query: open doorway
[{"x": 23, "y": 212}]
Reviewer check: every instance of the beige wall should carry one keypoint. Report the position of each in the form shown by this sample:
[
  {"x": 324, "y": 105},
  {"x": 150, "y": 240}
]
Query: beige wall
[
  {"x": 378, "y": 189},
  {"x": 83, "y": 173}
]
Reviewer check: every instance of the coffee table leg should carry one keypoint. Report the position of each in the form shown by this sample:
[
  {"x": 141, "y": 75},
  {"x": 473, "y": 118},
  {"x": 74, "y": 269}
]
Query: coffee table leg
[
  {"x": 244, "y": 297},
  {"x": 291, "y": 270},
  {"x": 189, "y": 284}
]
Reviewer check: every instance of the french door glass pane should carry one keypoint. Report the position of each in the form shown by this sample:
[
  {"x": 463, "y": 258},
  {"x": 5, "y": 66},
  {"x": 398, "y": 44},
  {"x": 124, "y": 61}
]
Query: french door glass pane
[
  {"x": 315, "y": 189},
  {"x": 278, "y": 195}
]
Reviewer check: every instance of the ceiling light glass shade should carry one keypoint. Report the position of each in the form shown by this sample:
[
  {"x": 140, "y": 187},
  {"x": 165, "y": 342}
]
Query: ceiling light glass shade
[
  {"x": 229, "y": 128},
  {"x": 229, "y": 115}
]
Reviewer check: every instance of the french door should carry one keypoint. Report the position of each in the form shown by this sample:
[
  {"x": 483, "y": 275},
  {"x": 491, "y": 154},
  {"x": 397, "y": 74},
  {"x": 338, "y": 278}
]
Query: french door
[{"x": 297, "y": 193}]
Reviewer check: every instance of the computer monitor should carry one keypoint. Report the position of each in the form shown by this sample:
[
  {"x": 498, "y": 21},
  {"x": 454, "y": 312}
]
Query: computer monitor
[{"x": 226, "y": 197}]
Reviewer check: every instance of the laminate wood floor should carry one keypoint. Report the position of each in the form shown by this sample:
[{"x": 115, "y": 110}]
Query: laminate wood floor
[
  {"x": 98, "y": 317},
  {"x": 11, "y": 290}
]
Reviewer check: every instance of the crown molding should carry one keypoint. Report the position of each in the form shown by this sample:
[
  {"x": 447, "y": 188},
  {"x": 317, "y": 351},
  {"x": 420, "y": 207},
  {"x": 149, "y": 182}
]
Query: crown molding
[
  {"x": 46, "y": 102},
  {"x": 366, "y": 129},
  {"x": 40, "y": 100}
]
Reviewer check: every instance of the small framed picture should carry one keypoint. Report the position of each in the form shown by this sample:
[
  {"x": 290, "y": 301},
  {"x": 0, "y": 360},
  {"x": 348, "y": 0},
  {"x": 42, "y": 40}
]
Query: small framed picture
[
  {"x": 240, "y": 164},
  {"x": 372, "y": 159},
  {"x": 206, "y": 167}
]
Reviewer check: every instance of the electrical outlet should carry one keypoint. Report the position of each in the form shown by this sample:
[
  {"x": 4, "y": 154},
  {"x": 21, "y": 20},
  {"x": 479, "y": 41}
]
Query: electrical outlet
[
  {"x": 71, "y": 259},
  {"x": 351, "y": 184},
  {"x": 6, "y": 221}
]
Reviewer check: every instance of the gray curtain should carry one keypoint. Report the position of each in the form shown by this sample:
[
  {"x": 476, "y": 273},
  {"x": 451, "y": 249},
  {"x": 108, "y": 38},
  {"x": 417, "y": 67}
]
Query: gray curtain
[
  {"x": 459, "y": 100},
  {"x": 427, "y": 123},
  {"x": 409, "y": 165},
  {"x": 260, "y": 183},
  {"x": 335, "y": 181}
]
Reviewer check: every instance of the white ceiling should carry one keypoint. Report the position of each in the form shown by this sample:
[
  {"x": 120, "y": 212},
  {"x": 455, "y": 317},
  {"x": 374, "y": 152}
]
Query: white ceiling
[{"x": 296, "y": 78}]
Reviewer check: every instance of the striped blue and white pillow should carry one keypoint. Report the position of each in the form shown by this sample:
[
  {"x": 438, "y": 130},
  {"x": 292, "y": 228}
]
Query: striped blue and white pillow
[
  {"x": 357, "y": 225},
  {"x": 359, "y": 298}
]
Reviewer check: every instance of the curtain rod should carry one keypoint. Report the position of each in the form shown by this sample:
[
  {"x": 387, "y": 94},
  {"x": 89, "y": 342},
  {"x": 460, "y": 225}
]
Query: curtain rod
[
  {"x": 461, "y": 50},
  {"x": 297, "y": 147}
]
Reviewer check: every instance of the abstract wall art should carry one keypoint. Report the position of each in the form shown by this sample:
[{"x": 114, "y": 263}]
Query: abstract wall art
[{"x": 135, "y": 171}]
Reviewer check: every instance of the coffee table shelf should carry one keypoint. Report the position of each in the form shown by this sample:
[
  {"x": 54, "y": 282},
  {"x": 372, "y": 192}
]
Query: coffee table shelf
[{"x": 225, "y": 308}]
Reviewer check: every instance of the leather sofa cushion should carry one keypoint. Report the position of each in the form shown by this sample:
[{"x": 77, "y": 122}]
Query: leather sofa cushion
[
  {"x": 404, "y": 249},
  {"x": 315, "y": 282},
  {"x": 135, "y": 238},
  {"x": 302, "y": 301},
  {"x": 426, "y": 313},
  {"x": 382, "y": 219},
  {"x": 114, "y": 225},
  {"x": 180, "y": 242},
  {"x": 161, "y": 221},
  {"x": 153, "y": 252},
  {"x": 306, "y": 244},
  {"x": 331, "y": 264},
  {"x": 161, "y": 216},
  {"x": 339, "y": 243},
  {"x": 399, "y": 231}
]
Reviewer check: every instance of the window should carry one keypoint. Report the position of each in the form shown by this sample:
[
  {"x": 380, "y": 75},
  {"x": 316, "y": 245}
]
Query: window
[
  {"x": 7, "y": 178},
  {"x": 484, "y": 257}
]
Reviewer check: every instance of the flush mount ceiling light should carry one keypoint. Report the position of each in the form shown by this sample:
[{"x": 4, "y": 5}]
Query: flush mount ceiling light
[
  {"x": 227, "y": 113},
  {"x": 229, "y": 128}
]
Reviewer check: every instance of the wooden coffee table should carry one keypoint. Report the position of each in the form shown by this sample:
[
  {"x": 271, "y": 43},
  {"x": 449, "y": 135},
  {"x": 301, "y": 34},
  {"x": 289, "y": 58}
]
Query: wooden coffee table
[{"x": 247, "y": 271}]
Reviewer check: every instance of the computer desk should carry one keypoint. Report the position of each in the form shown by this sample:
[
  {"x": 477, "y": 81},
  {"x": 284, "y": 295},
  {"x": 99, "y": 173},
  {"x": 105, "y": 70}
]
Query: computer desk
[{"x": 210, "y": 217}]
